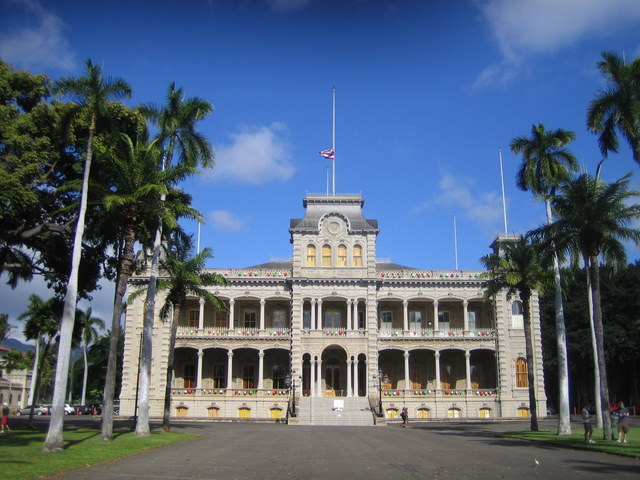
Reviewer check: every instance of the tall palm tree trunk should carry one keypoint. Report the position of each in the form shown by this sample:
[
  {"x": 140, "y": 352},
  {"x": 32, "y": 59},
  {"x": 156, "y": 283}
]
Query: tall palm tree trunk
[
  {"x": 564, "y": 419},
  {"x": 594, "y": 273},
  {"x": 124, "y": 273},
  {"x": 34, "y": 373},
  {"x": 526, "y": 317},
  {"x": 594, "y": 347},
  {"x": 55, "y": 441},
  {"x": 166, "y": 416},
  {"x": 85, "y": 373}
]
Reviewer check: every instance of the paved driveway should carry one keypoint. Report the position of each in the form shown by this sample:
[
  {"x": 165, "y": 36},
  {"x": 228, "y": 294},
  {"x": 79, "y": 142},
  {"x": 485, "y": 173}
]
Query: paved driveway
[{"x": 429, "y": 451}]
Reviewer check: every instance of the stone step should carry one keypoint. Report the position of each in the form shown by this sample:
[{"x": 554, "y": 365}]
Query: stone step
[{"x": 334, "y": 411}]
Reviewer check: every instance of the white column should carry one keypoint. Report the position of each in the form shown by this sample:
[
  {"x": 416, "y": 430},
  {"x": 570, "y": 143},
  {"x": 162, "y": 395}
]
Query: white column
[
  {"x": 437, "y": 356},
  {"x": 320, "y": 387},
  {"x": 313, "y": 303},
  {"x": 356, "y": 387},
  {"x": 349, "y": 389},
  {"x": 406, "y": 370},
  {"x": 465, "y": 314},
  {"x": 232, "y": 303},
  {"x": 349, "y": 316},
  {"x": 260, "y": 370},
  {"x": 405, "y": 316},
  {"x": 199, "y": 374},
  {"x": 312, "y": 379},
  {"x": 436, "y": 327},
  {"x": 230, "y": 369},
  {"x": 467, "y": 358},
  {"x": 262, "y": 303},
  {"x": 201, "y": 314},
  {"x": 354, "y": 317},
  {"x": 319, "y": 319}
]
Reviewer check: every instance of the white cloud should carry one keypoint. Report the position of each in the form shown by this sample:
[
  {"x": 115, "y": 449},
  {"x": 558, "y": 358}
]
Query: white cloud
[
  {"x": 527, "y": 27},
  {"x": 256, "y": 155},
  {"x": 227, "y": 221},
  {"x": 456, "y": 193},
  {"x": 288, "y": 5},
  {"x": 39, "y": 45}
]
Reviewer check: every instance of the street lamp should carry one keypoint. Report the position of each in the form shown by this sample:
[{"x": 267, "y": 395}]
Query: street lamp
[
  {"x": 380, "y": 377},
  {"x": 290, "y": 380}
]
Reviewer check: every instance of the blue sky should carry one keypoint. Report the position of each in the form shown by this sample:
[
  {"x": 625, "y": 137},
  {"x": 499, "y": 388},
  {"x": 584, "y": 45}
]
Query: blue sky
[{"x": 427, "y": 93}]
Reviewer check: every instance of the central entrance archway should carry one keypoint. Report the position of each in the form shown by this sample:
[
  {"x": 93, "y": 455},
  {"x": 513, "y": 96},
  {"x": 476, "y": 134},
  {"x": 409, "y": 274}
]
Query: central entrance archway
[{"x": 334, "y": 369}]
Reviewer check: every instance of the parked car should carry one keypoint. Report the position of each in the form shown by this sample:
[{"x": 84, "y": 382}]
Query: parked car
[
  {"x": 88, "y": 409},
  {"x": 68, "y": 409},
  {"x": 37, "y": 410}
]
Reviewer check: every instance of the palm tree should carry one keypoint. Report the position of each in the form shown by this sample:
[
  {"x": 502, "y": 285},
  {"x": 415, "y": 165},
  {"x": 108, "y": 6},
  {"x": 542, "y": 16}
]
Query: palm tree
[
  {"x": 545, "y": 163},
  {"x": 135, "y": 202},
  {"x": 5, "y": 326},
  {"x": 91, "y": 93},
  {"x": 519, "y": 267},
  {"x": 185, "y": 278},
  {"x": 592, "y": 219},
  {"x": 617, "y": 107},
  {"x": 89, "y": 325},
  {"x": 177, "y": 133},
  {"x": 41, "y": 324}
]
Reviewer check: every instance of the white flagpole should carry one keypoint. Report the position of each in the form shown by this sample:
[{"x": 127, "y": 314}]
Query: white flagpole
[
  {"x": 455, "y": 239},
  {"x": 504, "y": 203},
  {"x": 334, "y": 141},
  {"x": 198, "y": 245}
]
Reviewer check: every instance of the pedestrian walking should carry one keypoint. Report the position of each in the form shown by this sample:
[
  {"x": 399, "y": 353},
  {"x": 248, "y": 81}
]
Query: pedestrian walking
[
  {"x": 4, "y": 420},
  {"x": 586, "y": 422},
  {"x": 405, "y": 417},
  {"x": 623, "y": 423}
]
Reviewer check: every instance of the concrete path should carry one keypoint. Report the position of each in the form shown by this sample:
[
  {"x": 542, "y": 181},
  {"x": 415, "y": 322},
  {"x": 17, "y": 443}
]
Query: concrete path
[{"x": 438, "y": 451}]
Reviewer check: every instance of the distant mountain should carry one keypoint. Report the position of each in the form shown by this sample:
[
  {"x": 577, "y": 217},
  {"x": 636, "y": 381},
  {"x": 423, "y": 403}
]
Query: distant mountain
[{"x": 15, "y": 344}]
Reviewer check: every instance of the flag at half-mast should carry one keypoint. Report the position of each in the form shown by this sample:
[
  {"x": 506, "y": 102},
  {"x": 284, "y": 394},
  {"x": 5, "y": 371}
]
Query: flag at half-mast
[{"x": 328, "y": 153}]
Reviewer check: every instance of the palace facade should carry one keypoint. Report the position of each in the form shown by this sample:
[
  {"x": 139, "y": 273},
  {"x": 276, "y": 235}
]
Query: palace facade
[{"x": 333, "y": 329}]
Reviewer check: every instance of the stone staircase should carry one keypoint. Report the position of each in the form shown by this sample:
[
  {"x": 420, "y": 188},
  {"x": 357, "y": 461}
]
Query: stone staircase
[{"x": 334, "y": 411}]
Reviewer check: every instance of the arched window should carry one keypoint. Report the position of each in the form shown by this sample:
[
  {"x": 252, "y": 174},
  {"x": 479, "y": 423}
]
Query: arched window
[
  {"x": 517, "y": 320},
  {"x": 326, "y": 255},
  {"x": 342, "y": 256},
  {"x": 485, "y": 412},
  {"x": 523, "y": 412},
  {"x": 357, "y": 256},
  {"x": 423, "y": 413},
  {"x": 311, "y": 255},
  {"x": 522, "y": 381},
  {"x": 213, "y": 412}
]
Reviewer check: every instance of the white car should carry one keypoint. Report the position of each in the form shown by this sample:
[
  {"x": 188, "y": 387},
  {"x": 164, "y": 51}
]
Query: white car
[{"x": 68, "y": 409}]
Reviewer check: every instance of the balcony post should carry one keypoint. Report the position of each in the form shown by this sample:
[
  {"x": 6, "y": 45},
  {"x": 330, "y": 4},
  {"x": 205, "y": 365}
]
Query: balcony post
[
  {"x": 199, "y": 370},
  {"x": 465, "y": 314}
]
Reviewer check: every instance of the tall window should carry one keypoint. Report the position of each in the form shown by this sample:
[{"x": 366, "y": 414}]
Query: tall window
[
  {"x": 443, "y": 320},
  {"x": 249, "y": 319},
  {"x": 278, "y": 377},
  {"x": 342, "y": 256},
  {"x": 221, "y": 319},
  {"x": 189, "y": 376},
  {"x": 332, "y": 320},
  {"x": 471, "y": 320},
  {"x": 311, "y": 255},
  {"x": 517, "y": 319},
  {"x": 415, "y": 320},
  {"x": 386, "y": 320},
  {"x": 193, "y": 318},
  {"x": 306, "y": 319},
  {"x": 326, "y": 256},
  {"x": 248, "y": 377},
  {"x": 361, "y": 320},
  {"x": 357, "y": 256},
  {"x": 279, "y": 319},
  {"x": 522, "y": 381},
  {"x": 218, "y": 376}
]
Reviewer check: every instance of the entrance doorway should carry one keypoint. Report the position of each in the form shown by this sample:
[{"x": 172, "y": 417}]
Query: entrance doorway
[{"x": 332, "y": 381}]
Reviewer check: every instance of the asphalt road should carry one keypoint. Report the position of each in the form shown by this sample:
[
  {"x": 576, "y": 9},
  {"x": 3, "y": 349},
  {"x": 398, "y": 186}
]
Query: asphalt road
[{"x": 436, "y": 451}]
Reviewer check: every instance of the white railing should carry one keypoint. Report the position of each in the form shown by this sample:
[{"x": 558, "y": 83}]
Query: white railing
[
  {"x": 432, "y": 274},
  {"x": 229, "y": 391},
  {"x": 428, "y": 333},
  {"x": 234, "y": 332}
]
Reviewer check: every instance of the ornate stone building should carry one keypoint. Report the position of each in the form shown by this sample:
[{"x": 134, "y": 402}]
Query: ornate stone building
[{"x": 334, "y": 322}]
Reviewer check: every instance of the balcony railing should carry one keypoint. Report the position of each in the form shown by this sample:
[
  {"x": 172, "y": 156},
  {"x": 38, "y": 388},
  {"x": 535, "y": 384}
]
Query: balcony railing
[
  {"x": 428, "y": 333},
  {"x": 233, "y": 332},
  {"x": 482, "y": 392},
  {"x": 227, "y": 392}
]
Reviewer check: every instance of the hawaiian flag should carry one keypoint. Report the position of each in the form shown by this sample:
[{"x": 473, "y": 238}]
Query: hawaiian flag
[{"x": 329, "y": 153}]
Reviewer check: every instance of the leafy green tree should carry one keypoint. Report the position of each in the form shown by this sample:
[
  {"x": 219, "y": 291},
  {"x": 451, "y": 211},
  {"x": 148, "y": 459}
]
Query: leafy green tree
[
  {"x": 520, "y": 268},
  {"x": 592, "y": 219},
  {"x": 183, "y": 277},
  {"x": 617, "y": 107},
  {"x": 90, "y": 326},
  {"x": 41, "y": 324},
  {"x": 176, "y": 121},
  {"x": 5, "y": 326},
  {"x": 134, "y": 207},
  {"x": 91, "y": 92},
  {"x": 545, "y": 163}
]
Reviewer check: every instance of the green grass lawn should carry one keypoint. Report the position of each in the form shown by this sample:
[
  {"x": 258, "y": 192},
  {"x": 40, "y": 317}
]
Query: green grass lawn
[
  {"x": 576, "y": 440},
  {"x": 23, "y": 458}
]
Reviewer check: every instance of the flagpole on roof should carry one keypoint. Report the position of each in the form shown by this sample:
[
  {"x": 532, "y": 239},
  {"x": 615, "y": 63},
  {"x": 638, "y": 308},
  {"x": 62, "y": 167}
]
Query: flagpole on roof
[
  {"x": 455, "y": 239},
  {"x": 334, "y": 141},
  {"x": 504, "y": 203}
]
